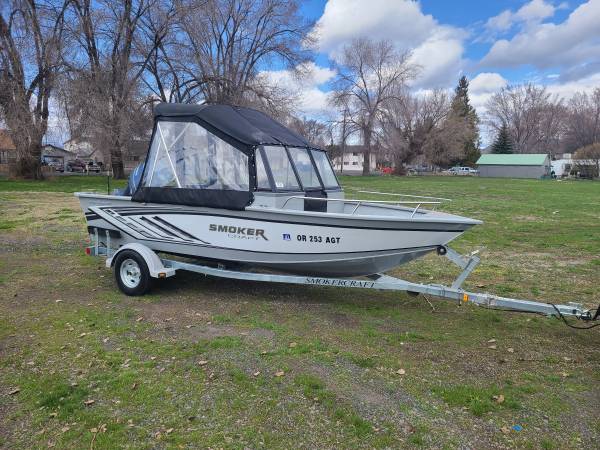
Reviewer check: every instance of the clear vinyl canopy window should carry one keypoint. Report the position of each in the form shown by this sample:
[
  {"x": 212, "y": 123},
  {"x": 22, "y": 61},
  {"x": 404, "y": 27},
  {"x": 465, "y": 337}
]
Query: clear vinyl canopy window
[
  {"x": 325, "y": 169},
  {"x": 185, "y": 155},
  {"x": 304, "y": 167},
  {"x": 281, "y": 168},
  {"x": 294, "y": 172}
]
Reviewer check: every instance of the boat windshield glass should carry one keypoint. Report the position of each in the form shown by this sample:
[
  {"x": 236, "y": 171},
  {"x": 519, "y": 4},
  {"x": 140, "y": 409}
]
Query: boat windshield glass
[
  {"x": 185, "y": 155},
  {"x": 325, "y": 170},
  {"x": 304, "y": 167},
  {"x": 281, "y": 168},
  {"x": 262, "y": 179}
]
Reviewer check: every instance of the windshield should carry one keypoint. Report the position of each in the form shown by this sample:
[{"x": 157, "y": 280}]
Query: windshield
[
  {"x": 281, "y": 168},
  {"x": 262, "y": 179},
  {"x": 304, "y": 167},
  {"x": 324, "y": 167}
]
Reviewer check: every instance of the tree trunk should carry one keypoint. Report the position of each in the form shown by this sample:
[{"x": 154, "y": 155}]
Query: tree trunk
[
  {"x": 367, "y": 151},
  {"x": 399, "y": 164},
  {"x": 116, "y": 161},
  {"x": 342, "y": 157},
  {"x": 28, "y": 142},
  {"x": 29, "y": 168}
]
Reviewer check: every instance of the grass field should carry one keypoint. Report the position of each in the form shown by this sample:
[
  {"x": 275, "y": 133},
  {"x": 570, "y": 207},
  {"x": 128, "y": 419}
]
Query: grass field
[{"x": 203, "y": 362}]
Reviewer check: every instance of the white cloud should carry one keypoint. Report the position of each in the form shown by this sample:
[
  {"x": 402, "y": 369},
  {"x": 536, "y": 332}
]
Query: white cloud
[
  {"x": 482, "y": 87},
  {"x": 312, "y": 100},
  {"x": 487, "y": 82},
  {"x": 534, "y": 11},
  {"x": 546, "y": 45},
  {"x": 437, "y": 48},
  {"x": 440, "y": 59},
  {"x": 501, "y": 22},
  {"x": 566, "y": 90}
]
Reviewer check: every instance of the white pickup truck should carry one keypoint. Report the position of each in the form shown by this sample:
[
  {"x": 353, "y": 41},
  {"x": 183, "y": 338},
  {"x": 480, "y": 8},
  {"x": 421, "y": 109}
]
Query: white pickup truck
[{"x": 463, "y": 171}]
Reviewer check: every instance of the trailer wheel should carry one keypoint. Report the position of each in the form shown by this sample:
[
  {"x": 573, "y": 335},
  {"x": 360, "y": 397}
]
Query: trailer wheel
[{"x": 131, "y": 273}]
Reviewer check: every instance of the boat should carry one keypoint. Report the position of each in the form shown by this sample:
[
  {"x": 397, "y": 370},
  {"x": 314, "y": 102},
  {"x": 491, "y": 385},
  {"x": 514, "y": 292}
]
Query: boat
[{"x": 232, "y": 186}]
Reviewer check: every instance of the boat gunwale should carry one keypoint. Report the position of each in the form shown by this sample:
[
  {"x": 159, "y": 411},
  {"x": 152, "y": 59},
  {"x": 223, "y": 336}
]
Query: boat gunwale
[{"x": 425, "y": 215}]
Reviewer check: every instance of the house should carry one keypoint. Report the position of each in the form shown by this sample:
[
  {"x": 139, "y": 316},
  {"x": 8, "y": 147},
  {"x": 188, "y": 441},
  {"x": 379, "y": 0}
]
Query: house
[
  {"x": 85, "y": 151},
  {"x": 52, "y": 154},
  {"x": 352, "y": 160},
  {"x": 8, "y": 152},
  {"x": 523, "y": 165},
  {"x": 134, "y": 154}
]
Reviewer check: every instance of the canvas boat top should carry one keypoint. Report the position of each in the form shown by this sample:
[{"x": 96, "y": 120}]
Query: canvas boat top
[
  {"x": 221, "y": 156},
  {"x": 247, "y": 127}
]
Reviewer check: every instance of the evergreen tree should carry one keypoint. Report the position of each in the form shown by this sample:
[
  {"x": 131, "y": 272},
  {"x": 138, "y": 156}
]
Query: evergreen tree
[
  {"x": 462, "y": 109},
  {"x": 502, "y": 144}
]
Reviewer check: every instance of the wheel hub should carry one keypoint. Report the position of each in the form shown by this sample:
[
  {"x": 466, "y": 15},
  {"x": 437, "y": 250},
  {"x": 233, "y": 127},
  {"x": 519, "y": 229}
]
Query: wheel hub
[{"x": 131, "y": 274}]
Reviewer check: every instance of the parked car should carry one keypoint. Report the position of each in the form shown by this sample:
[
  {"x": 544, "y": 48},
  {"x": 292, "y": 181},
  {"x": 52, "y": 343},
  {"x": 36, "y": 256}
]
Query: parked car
[
  {"x": 93, "y": 167},
  {"x": 57, "y": 166},
  {"x": 75, "y": 166}
]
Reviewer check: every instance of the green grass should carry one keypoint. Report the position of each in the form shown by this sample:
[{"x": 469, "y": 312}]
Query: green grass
[
  {"x": 63, "y": 183},
  {"x": 476, "y": 399},
  {"x": 302, "y": 367}
]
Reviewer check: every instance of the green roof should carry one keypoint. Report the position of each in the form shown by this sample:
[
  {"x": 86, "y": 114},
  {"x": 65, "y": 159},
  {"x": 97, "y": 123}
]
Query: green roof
[{"x": 521, "y": 159}]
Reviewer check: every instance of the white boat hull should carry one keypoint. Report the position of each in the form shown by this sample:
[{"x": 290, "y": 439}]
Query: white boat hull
[{"x": 308, "y": 243}]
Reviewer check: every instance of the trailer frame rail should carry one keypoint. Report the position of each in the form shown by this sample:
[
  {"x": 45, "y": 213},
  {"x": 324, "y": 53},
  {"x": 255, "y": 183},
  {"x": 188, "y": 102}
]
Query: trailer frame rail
[{"x": 380, "y": 281}]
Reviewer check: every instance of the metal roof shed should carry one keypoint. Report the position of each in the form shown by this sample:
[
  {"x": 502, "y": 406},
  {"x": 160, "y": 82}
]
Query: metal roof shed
[{"x": 524, "y": 165}]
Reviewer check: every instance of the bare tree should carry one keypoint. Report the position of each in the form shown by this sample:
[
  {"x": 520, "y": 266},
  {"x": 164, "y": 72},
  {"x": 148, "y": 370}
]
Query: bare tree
[
  {"x": 369, "y": 74},
  {"x": 532, "y": 115},
  {"x": 228, "y": 41},
  {"x": 165, "y": 77},
  {"x": 582, "y": 120},
  {"x": 30, "y": 42},
  {"x": 314, "y": 131},
  {"x": 112, "y": 44},
  {"x": 412, "y": 126},
  {"x": 345, "y": 129}
]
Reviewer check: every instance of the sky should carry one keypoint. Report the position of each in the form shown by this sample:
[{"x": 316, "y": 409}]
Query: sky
[{"x": 494, "y": 43}]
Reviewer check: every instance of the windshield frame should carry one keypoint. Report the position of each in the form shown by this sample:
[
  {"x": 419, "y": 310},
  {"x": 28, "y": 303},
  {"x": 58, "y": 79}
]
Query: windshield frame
[
  {"x": 301, "y": 188},
  {"x": 338, "y": 186}
]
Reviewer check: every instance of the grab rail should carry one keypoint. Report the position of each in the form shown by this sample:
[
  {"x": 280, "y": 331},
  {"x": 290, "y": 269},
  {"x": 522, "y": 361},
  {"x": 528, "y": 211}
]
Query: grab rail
[
  {"x": 359, "y": 203},
  {"x": 405, "y": 195}
]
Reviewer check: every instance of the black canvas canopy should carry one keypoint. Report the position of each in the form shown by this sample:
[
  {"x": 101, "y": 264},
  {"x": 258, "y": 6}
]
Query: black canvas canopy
[
  {"x": 206, "y": 155},
  {"x": 244, "y": 128}
]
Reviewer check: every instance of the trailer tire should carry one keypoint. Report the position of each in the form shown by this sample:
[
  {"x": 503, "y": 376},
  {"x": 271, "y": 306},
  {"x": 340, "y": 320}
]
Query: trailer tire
[{"x": 131, "y": 273}]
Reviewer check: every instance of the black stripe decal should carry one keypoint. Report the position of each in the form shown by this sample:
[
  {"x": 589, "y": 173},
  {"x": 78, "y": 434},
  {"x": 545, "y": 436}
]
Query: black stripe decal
[
  {"x": 179, "y": 230},
  {"x": 169, "y": 234}
]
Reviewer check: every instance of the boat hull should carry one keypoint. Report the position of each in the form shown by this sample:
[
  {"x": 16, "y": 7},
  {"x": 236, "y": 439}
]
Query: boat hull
[{"x": 312, "y": 244}]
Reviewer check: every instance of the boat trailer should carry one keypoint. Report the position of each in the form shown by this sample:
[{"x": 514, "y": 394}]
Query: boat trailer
[{"x": 160, "y": 267}]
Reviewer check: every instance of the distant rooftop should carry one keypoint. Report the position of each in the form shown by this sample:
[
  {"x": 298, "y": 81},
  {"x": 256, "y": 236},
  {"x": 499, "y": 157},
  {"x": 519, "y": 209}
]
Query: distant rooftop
[{"x": 520, "y": 159}]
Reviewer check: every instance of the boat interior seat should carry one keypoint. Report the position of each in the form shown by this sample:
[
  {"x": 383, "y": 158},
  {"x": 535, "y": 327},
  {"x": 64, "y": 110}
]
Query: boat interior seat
[{"x": 315, "y": 205}]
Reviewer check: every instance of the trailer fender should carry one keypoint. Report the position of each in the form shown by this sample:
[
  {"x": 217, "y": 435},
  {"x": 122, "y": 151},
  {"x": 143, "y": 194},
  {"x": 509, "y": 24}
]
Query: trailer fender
[{"x": 155, "y": 265}]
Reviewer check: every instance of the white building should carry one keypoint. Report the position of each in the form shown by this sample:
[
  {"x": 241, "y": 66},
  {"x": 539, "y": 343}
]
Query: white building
[{"x": 352, "y": 161}]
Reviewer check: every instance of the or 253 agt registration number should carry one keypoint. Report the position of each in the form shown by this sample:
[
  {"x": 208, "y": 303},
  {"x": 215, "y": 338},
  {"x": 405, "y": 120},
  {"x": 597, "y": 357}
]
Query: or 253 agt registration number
[{"x": 318, "y": 239}]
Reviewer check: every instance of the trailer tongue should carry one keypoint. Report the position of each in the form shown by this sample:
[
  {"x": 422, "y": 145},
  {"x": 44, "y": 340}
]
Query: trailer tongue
[{"x": 144, "y": 262}]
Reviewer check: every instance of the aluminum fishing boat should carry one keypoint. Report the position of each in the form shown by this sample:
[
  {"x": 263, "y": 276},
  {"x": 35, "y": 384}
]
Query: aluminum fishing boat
[{"x": 231, "y": 185}]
